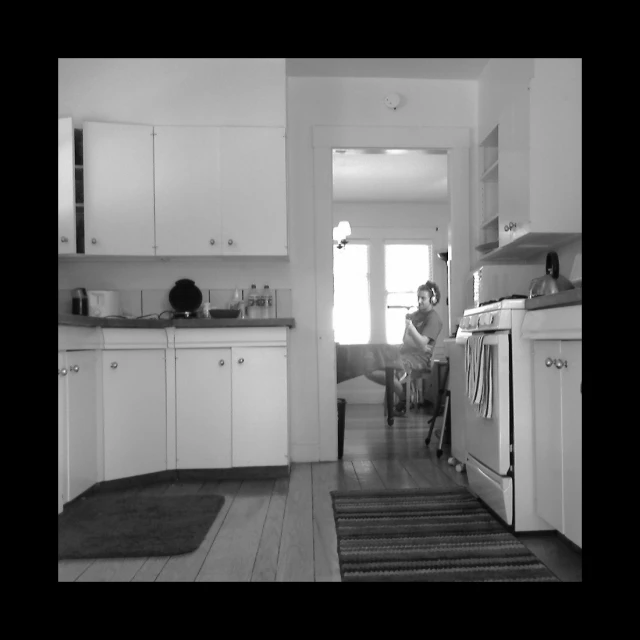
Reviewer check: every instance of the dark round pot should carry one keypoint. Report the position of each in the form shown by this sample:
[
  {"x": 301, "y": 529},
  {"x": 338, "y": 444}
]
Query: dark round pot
[{"x": 185, "y": 296}]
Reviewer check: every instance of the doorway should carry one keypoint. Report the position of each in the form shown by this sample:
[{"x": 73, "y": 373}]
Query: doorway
[{"x": 455, "y": 140}]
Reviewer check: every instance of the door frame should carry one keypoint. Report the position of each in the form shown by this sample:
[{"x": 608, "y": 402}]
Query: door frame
[{"x": 456, "y": 140}]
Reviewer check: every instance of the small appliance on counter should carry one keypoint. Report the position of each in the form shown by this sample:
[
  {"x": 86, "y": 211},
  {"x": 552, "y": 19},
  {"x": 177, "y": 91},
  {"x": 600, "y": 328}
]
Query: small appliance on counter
[
  {"x": 79, "y": 302},
  {"x": 104, "y": 303},
  {"x": 552, "y": 282},
  {"x": 185, "y": 298}
]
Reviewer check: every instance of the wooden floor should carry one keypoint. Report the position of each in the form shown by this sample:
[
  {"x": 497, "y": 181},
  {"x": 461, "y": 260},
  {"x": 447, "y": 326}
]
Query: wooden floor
[{"x": 283, "y": 530}]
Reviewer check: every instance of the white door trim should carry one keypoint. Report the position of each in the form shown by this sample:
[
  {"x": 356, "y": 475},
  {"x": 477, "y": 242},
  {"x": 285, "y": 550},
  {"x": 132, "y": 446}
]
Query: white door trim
[{"x": 457, "y": 141}]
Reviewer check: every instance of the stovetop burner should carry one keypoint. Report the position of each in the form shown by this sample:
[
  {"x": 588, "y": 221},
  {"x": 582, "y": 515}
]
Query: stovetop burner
[{"x": 515, "y": 296}]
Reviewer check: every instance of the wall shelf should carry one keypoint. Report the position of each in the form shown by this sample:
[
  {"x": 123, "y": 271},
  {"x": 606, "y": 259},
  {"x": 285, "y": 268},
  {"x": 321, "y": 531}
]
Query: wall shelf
[
  {"x": 491, "y": 174},
  {"x": 487, "y": 246},
  {"x": 491, "y": 221}
]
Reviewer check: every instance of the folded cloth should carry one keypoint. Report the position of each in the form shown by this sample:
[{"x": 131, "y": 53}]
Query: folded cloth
[{"x": 478, "y": 364}]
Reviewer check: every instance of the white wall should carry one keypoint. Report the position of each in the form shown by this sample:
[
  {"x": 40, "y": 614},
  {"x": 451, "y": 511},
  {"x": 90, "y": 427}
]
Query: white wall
[{"x": 237, "y": 92}]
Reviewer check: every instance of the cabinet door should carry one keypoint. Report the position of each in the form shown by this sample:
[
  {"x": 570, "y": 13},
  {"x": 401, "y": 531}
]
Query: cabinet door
[
  {"x": 187, "y": 191},
  {"x": 203, "y": 408},
  {"x": 548, "y": 432},
  {"x": 571, "y": 353},
  {"x": 135, "y": 418},
  {"x": 253, "y": 191},
  {"x": 62, "y": 427},
  {"x": 118, "y": 184},
  {"x": 66, "y": 188},
  {"x": 82, "y": 428},
  {"x": 260, "y": 417},
  {"x": 514, "y": 168}
]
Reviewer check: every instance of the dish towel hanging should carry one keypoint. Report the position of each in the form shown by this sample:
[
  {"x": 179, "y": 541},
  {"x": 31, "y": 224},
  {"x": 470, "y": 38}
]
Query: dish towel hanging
[{"x": 478, "y": 364}]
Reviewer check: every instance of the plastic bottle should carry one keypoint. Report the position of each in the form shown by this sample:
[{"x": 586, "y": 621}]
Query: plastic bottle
[
  {"x": 268, "y": 311},
  {"x": 252, "y": 302},
  {"x": 236, "y": 299}
]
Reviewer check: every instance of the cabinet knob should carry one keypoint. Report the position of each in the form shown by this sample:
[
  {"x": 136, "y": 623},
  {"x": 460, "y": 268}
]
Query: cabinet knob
[
  {"x": 506, "y": 227},
  {"x": 548, "y": 362},
  {"x": 62, "y": 372},
  {"x": 114, "y": 365},
  {"x": 240, "y": 360},
  {"x": 230, "y": 242},
  {"x": 94, "y": 241},
  {"x": 212, "y": 241},
  {"x": 64, "y": 239},
  {"x": 221, "y": 363},
  {"x": 561, "y": 363},
  {"x": 75, "y": 368}
]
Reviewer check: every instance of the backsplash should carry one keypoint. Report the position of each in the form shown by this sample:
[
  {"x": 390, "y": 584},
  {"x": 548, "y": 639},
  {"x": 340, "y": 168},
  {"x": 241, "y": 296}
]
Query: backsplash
[{"x": 155, "y": 301}]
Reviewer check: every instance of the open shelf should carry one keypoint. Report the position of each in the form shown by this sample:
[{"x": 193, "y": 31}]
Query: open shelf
[
  {"x": 491, "y": 140},
  {"x": 491, "y": 174},
  {"x": 487, "y": 246},
  {"x": 491, "y": 221}
]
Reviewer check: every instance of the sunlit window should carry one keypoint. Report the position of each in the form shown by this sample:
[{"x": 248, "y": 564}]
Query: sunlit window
[
  {"x": 351, "y": 302},
  {"x": 407, "y": 266}
]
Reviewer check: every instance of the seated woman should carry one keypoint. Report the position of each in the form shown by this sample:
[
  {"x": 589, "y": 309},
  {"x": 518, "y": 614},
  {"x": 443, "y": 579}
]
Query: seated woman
[{"x": 422, "y": 329}]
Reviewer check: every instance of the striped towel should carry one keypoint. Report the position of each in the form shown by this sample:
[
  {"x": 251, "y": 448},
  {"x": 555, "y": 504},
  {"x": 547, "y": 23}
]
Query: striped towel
[{"x": 478, "y": 365}]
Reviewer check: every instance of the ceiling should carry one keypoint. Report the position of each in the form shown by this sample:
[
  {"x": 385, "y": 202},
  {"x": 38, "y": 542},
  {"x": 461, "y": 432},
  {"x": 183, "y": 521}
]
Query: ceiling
[
  {"x": 425, "y": 68},
  {"x": 390, "y": 175},
  {"x": 361, "y": 175}
]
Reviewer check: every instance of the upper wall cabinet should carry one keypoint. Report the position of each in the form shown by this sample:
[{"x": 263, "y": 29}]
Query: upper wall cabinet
[
  {"x": 66, "y": 188},
  {"x": 187, "y": 191},
  {"x": 118, "y": 185},
  {"x": 540, "y": 163},
  {"x": 253, "y": 191}
]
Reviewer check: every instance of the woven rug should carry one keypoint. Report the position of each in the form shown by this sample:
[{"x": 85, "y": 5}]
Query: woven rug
[
  {"x": 427, "y": 535},
  {"x": 115, "y": 525}
]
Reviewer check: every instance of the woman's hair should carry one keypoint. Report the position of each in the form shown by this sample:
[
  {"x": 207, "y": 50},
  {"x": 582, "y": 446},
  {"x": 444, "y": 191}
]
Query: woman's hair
[{"x": 432, "y": 288}]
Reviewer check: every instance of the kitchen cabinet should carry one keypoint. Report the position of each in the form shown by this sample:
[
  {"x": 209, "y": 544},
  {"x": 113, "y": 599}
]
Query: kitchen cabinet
[
  {"x": 119, "y": 191},
  {"x": 231, "y": 398},
  {"x": 253, "y": 191},
  {"x": 203, "y": 408},
  {"x": 66, "y": 188},
  {"x": 77, "y": 423},
  {"x": 540, "y": 163},
  {"x": 135, "y": 411},
  {"x": 187, "y": 191},
  {"x": 557, "y": 369}
]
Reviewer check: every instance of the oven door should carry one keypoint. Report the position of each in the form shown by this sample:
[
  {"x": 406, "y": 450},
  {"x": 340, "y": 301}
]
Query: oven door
[{"x": 489, "y": 439}]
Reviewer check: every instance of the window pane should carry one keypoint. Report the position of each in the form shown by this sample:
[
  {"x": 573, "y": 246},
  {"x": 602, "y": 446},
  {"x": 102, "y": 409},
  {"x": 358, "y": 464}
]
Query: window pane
[
  {"x": 351, "y": 304},
  {"x": 407, "y": 266}
]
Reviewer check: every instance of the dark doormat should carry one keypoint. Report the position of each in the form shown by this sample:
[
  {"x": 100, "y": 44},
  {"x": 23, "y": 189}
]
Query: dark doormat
[
  {"x": 116, "y": 525},
  {"x": 427, "y": 535}
]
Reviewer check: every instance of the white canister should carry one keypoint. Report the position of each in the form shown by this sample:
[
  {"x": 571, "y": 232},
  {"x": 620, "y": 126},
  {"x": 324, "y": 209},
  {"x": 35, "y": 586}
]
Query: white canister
[{"x": 104, "y": 303}]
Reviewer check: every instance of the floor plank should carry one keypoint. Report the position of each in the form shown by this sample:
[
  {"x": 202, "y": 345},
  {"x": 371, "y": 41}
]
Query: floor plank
[
  {"x": 112, "y": 570},
  {"x": 185, "y": 568},
  {"x": 367, "y": 475},
  {"x": 295, "y": 560},
  {"x": 71, "y": 570},
  {"x": 394, "y": 475},
  {"x": 233, "y": 552}
]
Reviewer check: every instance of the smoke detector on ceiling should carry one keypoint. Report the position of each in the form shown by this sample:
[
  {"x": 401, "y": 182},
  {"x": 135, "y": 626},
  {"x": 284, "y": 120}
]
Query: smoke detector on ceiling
[{"x": 392, "y": 100}]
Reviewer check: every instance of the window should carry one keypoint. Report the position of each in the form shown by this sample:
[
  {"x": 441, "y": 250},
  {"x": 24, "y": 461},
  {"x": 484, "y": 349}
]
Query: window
[
  {"x": 477, "y": 278},
  {"x": 407, "y": 266},
  {"x": 351, "y": 302}
]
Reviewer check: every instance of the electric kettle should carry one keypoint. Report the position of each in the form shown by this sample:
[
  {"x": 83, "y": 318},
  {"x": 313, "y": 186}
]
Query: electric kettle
[{"x": 552, "y": 282}]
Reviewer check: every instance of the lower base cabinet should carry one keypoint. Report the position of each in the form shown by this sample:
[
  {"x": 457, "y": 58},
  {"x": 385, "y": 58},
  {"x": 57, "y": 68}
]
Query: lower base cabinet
[
  {"x": 231, "y": 407},
  {"x": 135, "y": 412},
  {"x": 558, "y": 434}
]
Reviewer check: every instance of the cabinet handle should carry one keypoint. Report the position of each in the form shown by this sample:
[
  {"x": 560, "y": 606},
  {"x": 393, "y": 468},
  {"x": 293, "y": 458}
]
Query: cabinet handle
[
  {"x": 229, "y": 242},
  {"x": 221, "y": 363},
  {"x": 212, "y": 241},
  {"x": 94, "y": 241},
  {"x": 75, "y": 368},
  {"x": 560, "y": 363},
  {"x": 62, "y": 372},
  {"x": 548, "y": 362},
  {"x": 506, "y": 227},
  {"x": 114, "y": 365},
  {"x": 64, "y": 239},
  {"x": 240, "y": 360}
]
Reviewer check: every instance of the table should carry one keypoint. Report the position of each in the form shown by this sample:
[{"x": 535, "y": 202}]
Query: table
[{"x": 350, "y": 363}]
